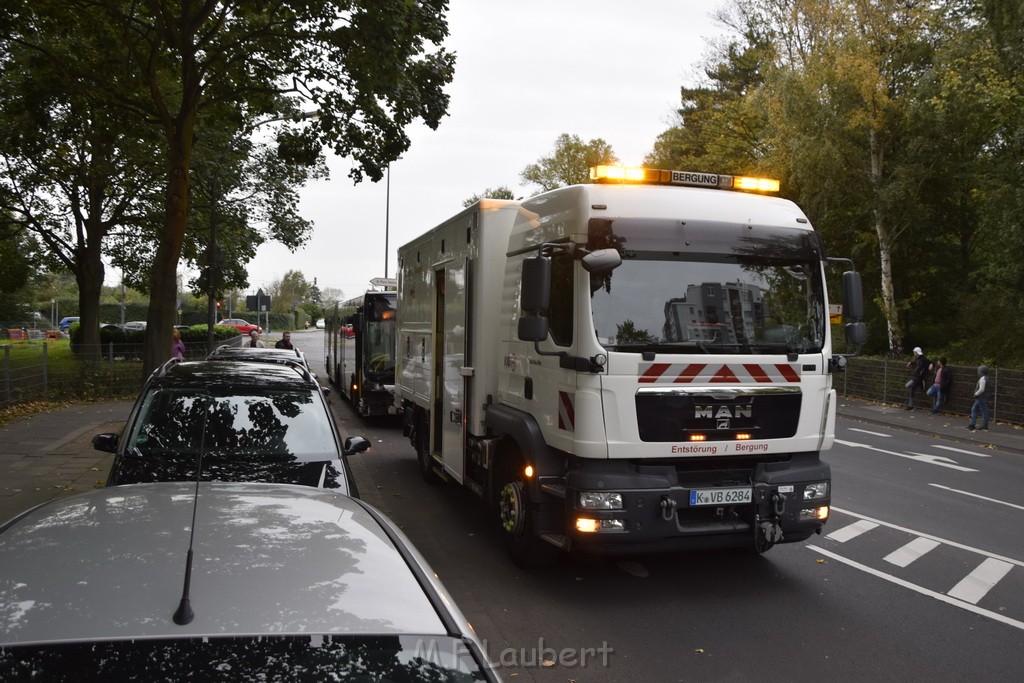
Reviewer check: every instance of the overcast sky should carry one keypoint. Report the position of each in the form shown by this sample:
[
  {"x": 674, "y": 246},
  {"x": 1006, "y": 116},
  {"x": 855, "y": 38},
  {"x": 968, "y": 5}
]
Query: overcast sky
[{"x": 526, "y": 72}]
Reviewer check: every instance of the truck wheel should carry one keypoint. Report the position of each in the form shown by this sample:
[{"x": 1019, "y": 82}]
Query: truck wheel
[
  {"x": 526, "y": 549},
  {"x": 423, "y": 454}
]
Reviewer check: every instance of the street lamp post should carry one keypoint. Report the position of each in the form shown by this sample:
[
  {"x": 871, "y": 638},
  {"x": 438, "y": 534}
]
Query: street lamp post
[{"x": 387, "y": 217}]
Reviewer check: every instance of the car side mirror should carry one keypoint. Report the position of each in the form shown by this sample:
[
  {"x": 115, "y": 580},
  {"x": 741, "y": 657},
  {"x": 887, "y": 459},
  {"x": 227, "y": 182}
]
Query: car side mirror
[
  {"x": 105, "y": 442},
  {"x": 355, "y": 444}
]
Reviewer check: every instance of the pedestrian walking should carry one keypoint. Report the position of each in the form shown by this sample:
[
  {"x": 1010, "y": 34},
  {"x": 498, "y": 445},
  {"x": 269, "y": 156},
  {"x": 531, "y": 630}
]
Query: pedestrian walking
[
  {"x": 980, "y": 404},
  {"x": 285, "y": 342},
  {"x": 177, "y": 345},
  {"x": 918, "y": 375},
  {"x": 255, "y": 341},
  {"x": 941, "y": 384}
]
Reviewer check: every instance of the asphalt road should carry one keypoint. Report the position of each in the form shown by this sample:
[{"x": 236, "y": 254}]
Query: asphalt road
[{"x": 918, "y": 576}]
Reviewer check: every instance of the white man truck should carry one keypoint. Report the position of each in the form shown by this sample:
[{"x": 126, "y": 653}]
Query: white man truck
[{"x": 639, "y": 364}]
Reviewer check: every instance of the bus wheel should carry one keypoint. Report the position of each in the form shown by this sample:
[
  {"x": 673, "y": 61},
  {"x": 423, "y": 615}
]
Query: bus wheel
[
  {"x": 426, "y": 461},
  {"x": 526, "y": 549}
]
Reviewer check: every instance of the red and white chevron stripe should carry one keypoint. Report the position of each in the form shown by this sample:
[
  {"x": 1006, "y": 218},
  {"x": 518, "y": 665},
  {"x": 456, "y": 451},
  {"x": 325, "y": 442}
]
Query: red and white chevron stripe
[{"x": 701, "y": 373}]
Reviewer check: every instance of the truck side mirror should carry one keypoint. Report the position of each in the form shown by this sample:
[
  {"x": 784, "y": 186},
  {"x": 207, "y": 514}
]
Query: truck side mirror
[
  {"x": 853, "y": 297},
  {"x": 533, "y": 328},
  {"x": 536, "y": 284},
  {"x": 856, "y": 334}
]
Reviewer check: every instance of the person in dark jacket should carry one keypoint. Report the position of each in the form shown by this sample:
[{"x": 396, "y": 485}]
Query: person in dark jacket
[
  {"x": 980, "y": 404},
  {"x": 941, "y": 384},
  {"x": 285, "y": 342},
  {"x": 918, "y": 375}
]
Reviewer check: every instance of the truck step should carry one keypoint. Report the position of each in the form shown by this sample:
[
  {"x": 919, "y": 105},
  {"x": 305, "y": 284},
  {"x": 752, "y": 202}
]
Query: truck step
[
  {"x": 557, "y": 540},
  {"x": 554, "y": 489}
]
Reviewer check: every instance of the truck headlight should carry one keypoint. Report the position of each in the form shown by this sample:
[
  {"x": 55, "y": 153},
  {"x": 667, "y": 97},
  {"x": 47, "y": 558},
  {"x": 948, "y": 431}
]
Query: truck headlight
[
  {"x": 600, "y": 500},
  {"x": 816, "y": 491}
]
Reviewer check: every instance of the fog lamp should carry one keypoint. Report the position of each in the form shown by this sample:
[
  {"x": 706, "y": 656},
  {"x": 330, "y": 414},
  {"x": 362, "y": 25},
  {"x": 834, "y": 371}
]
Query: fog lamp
[
  {"x": 820, "y": 513},
  {"x": 600, "y": 500},
  {"x": 586, "y": 525}
]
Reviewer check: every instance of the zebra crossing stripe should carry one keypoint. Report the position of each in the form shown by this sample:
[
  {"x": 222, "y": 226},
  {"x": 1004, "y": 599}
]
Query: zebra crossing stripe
[
  {"x": 978, "y": 583},
  {"x": 851, "y": 531},
  {"x": 911, "y": 551}
]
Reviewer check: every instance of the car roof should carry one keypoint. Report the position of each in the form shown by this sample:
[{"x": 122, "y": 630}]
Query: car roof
[
  {"x": 218, "y": 375},
  {"x": 257, "y": 354},
  {"x": 268, "y": 559}
]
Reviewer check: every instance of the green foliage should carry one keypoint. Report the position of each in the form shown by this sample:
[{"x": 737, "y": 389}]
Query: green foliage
[
  {"x": 899, "y": 129},
  {"x": 569, "y": 163}
]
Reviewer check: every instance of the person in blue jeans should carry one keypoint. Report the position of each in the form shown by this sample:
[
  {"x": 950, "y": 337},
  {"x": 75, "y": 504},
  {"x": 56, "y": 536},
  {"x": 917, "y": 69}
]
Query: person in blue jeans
[
  {"x": 980, "y": 400},
  {"x": 940, "y": 384}
]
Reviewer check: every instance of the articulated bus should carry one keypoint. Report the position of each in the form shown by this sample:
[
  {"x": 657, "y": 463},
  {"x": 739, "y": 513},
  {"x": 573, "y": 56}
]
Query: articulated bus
[{"x": 360, "y": 350}]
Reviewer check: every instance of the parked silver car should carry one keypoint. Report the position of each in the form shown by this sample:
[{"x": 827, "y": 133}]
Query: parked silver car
[{"x": 278, "y": 582}]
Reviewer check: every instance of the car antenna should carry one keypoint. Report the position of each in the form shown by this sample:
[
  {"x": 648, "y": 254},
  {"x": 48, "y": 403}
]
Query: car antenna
[{"x": 184, "y": 614}]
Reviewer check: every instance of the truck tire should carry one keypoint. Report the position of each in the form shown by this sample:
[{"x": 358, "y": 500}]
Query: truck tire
[
  {"x": 526, "y": 549},
  {"x": 426, "y": 462}
]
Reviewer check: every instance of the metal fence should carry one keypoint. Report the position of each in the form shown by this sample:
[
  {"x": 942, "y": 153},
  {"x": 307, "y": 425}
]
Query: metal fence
[
  {"x": 52, "y": 371},
  {"x": 885, "y": 381}
]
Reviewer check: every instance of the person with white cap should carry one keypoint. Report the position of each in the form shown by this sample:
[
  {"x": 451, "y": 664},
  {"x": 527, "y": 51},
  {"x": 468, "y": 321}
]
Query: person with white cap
[{"x": 918, "y": 375}]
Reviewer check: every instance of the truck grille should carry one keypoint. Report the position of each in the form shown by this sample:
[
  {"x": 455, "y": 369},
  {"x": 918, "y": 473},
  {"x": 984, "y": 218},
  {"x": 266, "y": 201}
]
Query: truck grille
[{"x": 675, "y": 416}]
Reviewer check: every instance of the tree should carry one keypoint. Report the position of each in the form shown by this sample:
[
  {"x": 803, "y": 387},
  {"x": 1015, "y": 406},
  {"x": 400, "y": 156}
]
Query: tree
[
  {"x": 361, "y": 65},
  {"x": 75, "y": 172},
  {"x": 500, "y": 192},
  {"x": 569, "y": 163},
  {"x": 291, "y": 291}
]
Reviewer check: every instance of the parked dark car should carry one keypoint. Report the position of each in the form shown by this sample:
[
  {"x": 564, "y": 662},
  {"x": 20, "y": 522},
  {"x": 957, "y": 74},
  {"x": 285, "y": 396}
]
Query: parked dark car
[
  {"x": 237, "y": 421},
  {"x": 223, "y": 582}
]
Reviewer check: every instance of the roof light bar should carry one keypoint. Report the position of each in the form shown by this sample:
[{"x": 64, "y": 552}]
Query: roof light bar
[{"x": 658, "y": 176}]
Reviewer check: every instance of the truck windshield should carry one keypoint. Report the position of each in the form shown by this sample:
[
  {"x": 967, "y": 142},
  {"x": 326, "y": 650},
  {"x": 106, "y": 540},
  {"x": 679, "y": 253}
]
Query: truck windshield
[{"x": 708, "y": 288}]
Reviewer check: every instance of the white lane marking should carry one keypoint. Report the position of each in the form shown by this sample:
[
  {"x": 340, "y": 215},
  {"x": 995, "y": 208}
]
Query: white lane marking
[
  {"x": 931, "y": 459},
  {"x": 961, "y": 450},
  {"x": 941, "y": 460},
  {"x": 864, "y": 431},
  {"x": 911, "y": 551},
  {"x": 923, "y": 591},
  {"x": 851, "y": 531},
  {"x": 978, "y": 583},
  {"x": 975, "y": 495},
  {"x": 953, "y": 544}
]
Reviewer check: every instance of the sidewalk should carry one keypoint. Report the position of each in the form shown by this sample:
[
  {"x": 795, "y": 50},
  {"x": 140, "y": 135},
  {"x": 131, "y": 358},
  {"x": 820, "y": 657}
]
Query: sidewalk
[{"x": 50, "y": 454}]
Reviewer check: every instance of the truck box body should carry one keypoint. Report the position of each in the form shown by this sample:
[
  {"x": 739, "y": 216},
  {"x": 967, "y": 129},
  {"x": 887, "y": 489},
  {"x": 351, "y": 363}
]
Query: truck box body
[{"x": 681, "y": 399}]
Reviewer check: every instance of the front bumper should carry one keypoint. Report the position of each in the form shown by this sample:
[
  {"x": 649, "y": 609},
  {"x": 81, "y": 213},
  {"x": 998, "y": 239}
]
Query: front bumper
[{"x": 657, "y": 515}]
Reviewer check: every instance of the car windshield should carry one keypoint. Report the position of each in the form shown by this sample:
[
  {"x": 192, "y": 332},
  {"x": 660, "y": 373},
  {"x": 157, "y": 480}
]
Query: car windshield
[
  {"x": 280, "y": 424},
  {"x": 270, "y": 658},
  {"x": 710, "y": 288}
]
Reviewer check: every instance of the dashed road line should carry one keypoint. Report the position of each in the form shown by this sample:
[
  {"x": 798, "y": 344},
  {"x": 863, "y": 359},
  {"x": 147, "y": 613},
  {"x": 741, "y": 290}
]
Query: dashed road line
[
  {"x": 865, "y": 431},
  {"x": 961, "y": 450},
  {"x": 952, "y": 544},
  {"x": 941, "y": 597},
  {"x": 975, "y": 495},
  {"x": 939, "y": 460}
]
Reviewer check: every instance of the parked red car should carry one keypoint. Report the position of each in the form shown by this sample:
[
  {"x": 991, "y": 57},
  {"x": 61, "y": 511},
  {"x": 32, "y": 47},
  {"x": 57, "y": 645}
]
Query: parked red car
[{"x": 243, "y": 326}]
